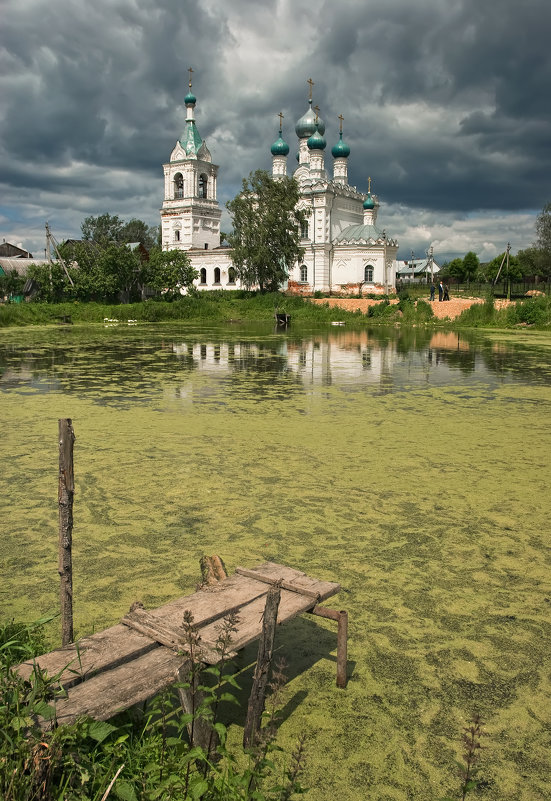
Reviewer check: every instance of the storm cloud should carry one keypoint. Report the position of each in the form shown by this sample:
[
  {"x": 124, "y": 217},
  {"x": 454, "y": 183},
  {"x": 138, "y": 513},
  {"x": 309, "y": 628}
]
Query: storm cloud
[{"x": 446, "y": 106}]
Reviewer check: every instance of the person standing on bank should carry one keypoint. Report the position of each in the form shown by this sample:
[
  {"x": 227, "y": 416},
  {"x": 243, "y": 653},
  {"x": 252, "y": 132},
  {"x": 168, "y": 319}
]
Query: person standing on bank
[
  {"x": 446, "y": 292},
  {"x": 440, "y": 290},
  {"x": 432, "y": 291}
]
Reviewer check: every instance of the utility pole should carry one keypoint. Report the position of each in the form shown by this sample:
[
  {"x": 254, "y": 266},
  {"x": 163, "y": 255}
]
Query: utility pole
[
  {"x": 50, "y": 240},
  {"x": 431, "y": 263}
]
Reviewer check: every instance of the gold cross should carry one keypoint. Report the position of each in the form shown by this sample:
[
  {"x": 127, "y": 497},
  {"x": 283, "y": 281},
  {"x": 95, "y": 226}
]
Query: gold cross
[
  {"x": 369, "y": 184},
  {"x": 340, "y": 118},
  {"x": 280, "y": 115},
  {"x": 317, "y": 110},
  {"x": 190, "y": 70},
  {"x": 311, "y": 83}
]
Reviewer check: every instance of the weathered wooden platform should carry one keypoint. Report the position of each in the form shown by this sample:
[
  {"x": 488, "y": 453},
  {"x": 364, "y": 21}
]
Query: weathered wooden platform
[{"x": 128, "y": 663}]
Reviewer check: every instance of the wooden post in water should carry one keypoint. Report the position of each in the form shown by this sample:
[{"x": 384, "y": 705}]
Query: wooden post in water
[
  {"x": 66, "y": 492},
  {"x": 263, "y": 662},
  {"x": 342, "y": 639}
]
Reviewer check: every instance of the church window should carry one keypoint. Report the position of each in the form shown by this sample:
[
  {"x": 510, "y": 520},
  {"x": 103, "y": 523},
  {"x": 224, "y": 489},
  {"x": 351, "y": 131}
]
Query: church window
[
  {"x": 368, "y": 274},
  {"x": 304, "y": 230},
  {"x": 217, "y": 275},
  {"x": 178, "y": 185},
  {"x": 304, "y": 274},
  {"x": 203, "y": 275},
  {"x": 231, "y": 275},
  {"x": 176, "y": 236},
  {"x": 203, "y": 184}
]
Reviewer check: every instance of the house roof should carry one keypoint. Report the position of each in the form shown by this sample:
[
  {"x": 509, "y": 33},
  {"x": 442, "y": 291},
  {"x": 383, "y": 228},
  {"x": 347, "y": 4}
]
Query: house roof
[
  {"x": 20, "y": 265},
  {"x": 416, "y": 266}
]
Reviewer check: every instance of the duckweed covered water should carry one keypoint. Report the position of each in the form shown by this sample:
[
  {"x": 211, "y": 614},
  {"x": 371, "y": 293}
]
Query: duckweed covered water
[{"x": 409, "y": 466}]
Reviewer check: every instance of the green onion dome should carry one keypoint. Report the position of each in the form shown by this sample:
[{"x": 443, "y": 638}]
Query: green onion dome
[
  {"x": 306, "y": 126},
  {"x": 369, "y": 203},
  {"x": 316, "y": 141},
  {"x": 280, "y": 146},
  {"x": 341, "y": 149},
  {"x": 190, "y": 99}
]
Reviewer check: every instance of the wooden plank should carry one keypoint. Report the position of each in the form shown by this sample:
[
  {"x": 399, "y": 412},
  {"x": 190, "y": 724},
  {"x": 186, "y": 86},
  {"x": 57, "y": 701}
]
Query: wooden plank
[
  {"x": 119, "y": 643},
  {"x": 144, "y": 622},
  {"x": 90, "y": 655},
  {"x": 284, "y": 584},
  {"x": 114, "y": 690}
]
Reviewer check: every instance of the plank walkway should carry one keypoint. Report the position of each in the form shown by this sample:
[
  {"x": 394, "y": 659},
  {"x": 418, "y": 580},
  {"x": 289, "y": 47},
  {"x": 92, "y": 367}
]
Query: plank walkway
[{"x": 130, "y": 662}]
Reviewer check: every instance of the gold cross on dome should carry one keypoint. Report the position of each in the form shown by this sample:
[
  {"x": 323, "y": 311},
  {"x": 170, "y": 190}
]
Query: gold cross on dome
[
  {"x": 317, "y": 110},
  {"x": 310, "y": 82},
  {"x": 280, "y": 115},
  {"x": 369, "y": 184},
  {"x": 190, "y": 70},
  {"x": 341, "y": 120}
]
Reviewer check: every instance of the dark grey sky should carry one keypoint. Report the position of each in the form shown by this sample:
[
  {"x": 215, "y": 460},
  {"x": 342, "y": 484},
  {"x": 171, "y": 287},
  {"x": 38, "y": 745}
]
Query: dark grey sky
[{"x": 446, "y": 106}]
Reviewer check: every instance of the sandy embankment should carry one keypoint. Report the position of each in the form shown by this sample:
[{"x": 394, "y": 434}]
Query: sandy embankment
[{"x": 449, "y": 308}]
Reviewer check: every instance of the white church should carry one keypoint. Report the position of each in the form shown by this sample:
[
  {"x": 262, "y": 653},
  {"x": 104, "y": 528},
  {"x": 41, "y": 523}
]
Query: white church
[{"x": 344, "y": 249}]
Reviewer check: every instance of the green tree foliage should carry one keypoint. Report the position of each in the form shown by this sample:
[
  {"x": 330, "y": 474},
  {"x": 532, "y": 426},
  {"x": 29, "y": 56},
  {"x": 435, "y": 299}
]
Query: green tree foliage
[
  {"x": 108, "y": 228},
  {"x": 103, "y": 229},
  {"x": 11, "y": 283},
  {"x": 137, "y": 231},
  {"x": 471, "y": 264},
  {"x": 535, "y": 261},
  {"x": 51, "y": 282},
  {"x": 454, "y": 268},
  {"x": 512, "y": 273},
  {"x": 266, "y": 230},
  {"x": 169, "y": 270}
]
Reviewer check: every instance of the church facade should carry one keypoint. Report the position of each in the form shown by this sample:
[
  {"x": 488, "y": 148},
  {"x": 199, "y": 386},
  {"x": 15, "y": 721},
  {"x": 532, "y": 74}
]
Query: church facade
[{"x": 344, "y": 249}]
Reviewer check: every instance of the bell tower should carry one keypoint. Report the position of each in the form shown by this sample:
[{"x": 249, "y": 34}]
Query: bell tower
[{"x": 190, "y": 214}]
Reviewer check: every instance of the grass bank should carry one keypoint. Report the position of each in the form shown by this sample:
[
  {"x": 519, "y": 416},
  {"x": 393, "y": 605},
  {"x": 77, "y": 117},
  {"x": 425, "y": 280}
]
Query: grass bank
[{"x": 222, "y": 306}]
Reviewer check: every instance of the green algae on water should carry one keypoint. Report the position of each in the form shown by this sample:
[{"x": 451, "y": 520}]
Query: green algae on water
[{"x": 414, "y": 474}]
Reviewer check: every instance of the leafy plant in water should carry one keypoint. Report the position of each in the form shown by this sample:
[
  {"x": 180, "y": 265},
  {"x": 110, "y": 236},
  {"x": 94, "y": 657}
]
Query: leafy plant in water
[{"x": 468, "y": 768}]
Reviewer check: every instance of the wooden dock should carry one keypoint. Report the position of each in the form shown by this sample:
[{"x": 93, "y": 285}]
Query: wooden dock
[{"x": 130, "y": 662}]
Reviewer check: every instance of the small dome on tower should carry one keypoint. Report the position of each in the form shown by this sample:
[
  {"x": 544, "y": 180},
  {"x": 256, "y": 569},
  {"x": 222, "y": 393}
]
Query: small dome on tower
[
  {"x": 369, "y": 203},
  {"x": 190, "y": 99},
  {"x": 280, "y": 147},
  {"x": 316, "y": 141},
  {"x": 341, "y": 149}
]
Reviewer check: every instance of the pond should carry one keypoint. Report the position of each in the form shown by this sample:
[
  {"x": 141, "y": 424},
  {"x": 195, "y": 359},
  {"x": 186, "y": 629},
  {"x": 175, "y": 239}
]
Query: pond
[{"x": 411, "y": 466}]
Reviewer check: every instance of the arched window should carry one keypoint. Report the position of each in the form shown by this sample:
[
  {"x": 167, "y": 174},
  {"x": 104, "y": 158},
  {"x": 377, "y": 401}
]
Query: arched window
[
  {"x": 203, "y": 275},
  {"x": 203, "y": 184},
  {"x": 231, "y": 275},
  {"x": 304, "y": 274},
  {"x": 176, "y": 235},
  {"x": 217, "y": 275},
  {"x": 178, "y": 185},
  {"x": 368, "y": 274},
  {"x": 304, "y": 230}
]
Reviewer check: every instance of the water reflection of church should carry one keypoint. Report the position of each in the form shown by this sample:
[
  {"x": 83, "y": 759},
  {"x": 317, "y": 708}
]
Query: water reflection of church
[{"x": 344, "y": 249}]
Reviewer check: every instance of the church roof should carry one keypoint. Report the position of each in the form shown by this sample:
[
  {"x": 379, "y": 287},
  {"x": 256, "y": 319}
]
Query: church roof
[
  {"x": 190, "y": 139},
  {"x": 361, "y": 233}
]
